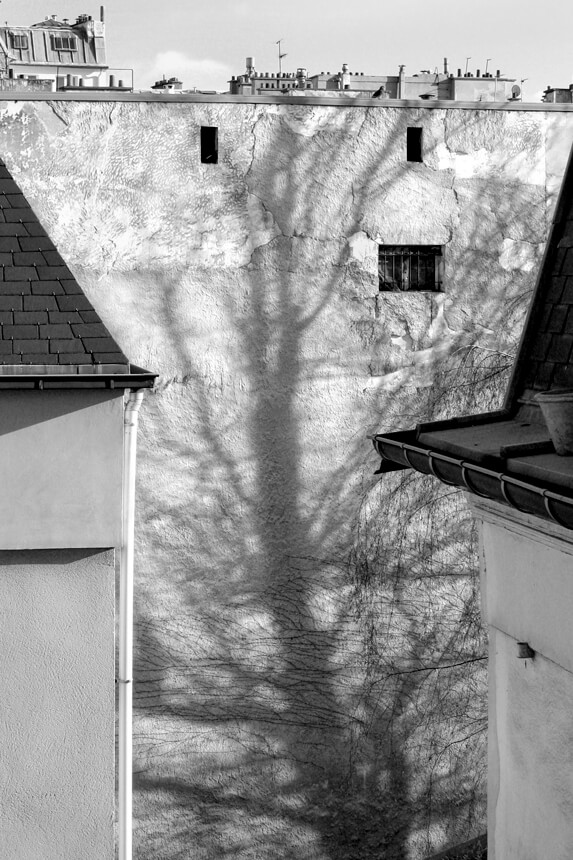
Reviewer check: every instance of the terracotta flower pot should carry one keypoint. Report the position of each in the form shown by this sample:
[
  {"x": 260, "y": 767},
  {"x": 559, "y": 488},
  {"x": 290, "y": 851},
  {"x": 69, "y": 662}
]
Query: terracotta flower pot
[{"x": 557, "y": 409}]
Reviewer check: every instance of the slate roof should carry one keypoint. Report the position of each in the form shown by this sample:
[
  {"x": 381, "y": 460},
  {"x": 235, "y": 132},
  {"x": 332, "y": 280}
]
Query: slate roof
[
  {"x": 508, "y": 455},
  {"x": 47, "y": 324}
]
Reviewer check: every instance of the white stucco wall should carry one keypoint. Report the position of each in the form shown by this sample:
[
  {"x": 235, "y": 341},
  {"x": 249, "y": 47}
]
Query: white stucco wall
[
  {"x": 526, "y": 591},
  {"x": 57, "y": 768},
  {"x": 61, "y": 454},
  {"x": 251, "y": 288}
]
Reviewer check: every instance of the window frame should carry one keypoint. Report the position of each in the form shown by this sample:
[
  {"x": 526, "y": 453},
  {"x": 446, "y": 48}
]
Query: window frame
[
  {"x": 67, "y": 43},
  {"x": 404, "y": 257},
  {"x": 19, "y": 37}
]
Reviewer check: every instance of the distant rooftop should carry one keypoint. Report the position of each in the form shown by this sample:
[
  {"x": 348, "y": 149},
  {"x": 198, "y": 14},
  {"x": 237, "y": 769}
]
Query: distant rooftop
[{"x": 444, "y": 85}]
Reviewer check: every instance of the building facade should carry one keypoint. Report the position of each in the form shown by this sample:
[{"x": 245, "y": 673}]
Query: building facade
[
  {"x": 57, "y": 55},
  {"x": 298, "y": 280},
  {"x": 424, "y": 85}
]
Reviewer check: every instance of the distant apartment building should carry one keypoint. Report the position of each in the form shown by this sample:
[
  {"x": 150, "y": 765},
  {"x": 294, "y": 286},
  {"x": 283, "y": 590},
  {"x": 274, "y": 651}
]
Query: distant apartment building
[
  {"x": 56, "y": 55},
  {"x": 558, "y": 95},
  {"x": 444, "y": 86}
]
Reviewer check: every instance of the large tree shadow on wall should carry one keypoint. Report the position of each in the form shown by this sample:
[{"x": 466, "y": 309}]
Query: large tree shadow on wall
[{"x": 309, "y": 678}]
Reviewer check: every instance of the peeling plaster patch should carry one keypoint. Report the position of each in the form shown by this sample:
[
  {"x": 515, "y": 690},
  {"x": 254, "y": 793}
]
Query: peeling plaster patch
[
  {"x": 445, "y": 159},
  {"x": 523, "y": 166},
  {"x": 361, "y": 247},
  {"x": 518, "y": 255},
  {"x": 11, "y": 109}
]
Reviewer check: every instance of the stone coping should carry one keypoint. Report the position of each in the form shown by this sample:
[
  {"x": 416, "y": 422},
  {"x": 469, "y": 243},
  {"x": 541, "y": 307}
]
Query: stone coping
[{"x": 327, "y": 101}]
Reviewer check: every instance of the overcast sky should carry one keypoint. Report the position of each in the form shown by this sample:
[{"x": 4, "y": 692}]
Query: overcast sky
[{"x": 204, "y": 43}]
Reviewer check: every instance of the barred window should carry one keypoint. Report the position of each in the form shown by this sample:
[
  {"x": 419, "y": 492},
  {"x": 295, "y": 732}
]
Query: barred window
[
  {"x": 410, "y": 267},
  {"x": 63, "y": 43},
  {"x": 19, "y": 41}
]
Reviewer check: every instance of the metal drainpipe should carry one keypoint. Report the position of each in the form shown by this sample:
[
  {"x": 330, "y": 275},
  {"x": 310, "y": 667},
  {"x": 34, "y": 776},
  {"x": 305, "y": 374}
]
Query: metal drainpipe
[{"x": 125, "y": 679}]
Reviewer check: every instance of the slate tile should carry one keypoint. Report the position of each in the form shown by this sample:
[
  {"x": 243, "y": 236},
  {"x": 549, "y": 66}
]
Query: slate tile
[
  {"x": 554, "y": 289},
  {"x": 34, "y": 229},
  {"x": 53, "y": 273},
  {"x": 6, "y": 259},
  {"x": 567, "y": 293},
  {"x": 11, "y": 303},
  {"x": 10, "y": 359},
  {"x": 71, "y": 286},
  {"x": 560, "y": 348},
  {"x": 53, "y": 258},
  {"x": 72, "y": 358},
  {"x": 567, "y": 267},
  {"x": 5, "y": 347},
  {"x": 15, "y": 288},
  {"x": 24, "y": 332},
  {"x": 47, "y": 288},
  {"x": 73, "y": 303},
  {"x": 11, "y": 243},
  {"x": 541, "y": 346},
  {"x": 40, "y": 303},
  {"x": 4, "y": 201},
  {"x": 20, "y": 273},
  {"x": 557, "y": 319},
  {"x": 35, "y": 243},
  {"x": 17, "y": 201},
  {"x": 23, "y": 215},
  {"x": 544, "y": 375},
  {"x": 65, "y": 317},
  {"x": 15, "y": 229},
  {"x": 59, "y": 330},
  {"x": 97, "y": 330},
  {"x": 21, "y": 346},
  {"x": 110, "y": 358},
  {"x": 29, "y": 258},
  {"x": 38, "y": 358},
  {"x": 8, "y": 186},
  {"x": 100, "y": 344},
  {"x": 29, "y": 317},
  {"x": 6, "y": 317},
  {"x": 90, "y": 316},
  {"x": 64, "y": 345}
]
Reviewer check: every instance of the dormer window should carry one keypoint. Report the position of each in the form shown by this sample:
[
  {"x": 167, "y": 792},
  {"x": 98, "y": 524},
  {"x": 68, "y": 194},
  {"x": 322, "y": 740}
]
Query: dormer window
[
  {"x": 19, "y": 41},
  {"x": 63, "y": 43}
]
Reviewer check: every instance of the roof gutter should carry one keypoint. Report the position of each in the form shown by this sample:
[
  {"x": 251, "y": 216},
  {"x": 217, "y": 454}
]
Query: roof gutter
[{"x": 402, "y": 450}]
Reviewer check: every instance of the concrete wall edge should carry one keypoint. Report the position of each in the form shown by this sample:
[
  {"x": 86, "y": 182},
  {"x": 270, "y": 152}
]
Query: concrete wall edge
[{"x": 227, "y": 98}]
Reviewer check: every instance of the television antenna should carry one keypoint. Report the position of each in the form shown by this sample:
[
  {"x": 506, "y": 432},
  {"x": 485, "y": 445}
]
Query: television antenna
[{"x": 280, "y": 55}]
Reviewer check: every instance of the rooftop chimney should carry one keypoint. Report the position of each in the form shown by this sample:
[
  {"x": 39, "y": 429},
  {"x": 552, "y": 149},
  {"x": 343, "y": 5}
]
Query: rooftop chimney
[
  {"x": 445, "y": 65},
  {"x": 54, "y": 17},
  {"x": 102, "y": 13}
]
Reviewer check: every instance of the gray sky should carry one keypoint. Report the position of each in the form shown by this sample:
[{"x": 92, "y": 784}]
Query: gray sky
[{"x": 204, "y": 43}]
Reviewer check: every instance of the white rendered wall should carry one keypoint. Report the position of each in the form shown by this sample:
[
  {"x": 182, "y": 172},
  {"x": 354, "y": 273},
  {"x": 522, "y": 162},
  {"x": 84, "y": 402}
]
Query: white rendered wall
[
  {"x": 57, "y": 767},
  {"x": 527, "y": 593}
]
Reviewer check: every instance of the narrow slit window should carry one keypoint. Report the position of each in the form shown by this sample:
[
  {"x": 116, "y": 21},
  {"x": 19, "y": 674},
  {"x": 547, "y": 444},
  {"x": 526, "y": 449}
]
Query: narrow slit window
[
  {"x": 406, "y": 268},
  {"x": 209, "y": 144},
  {"x": 414, "y": 144}
]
